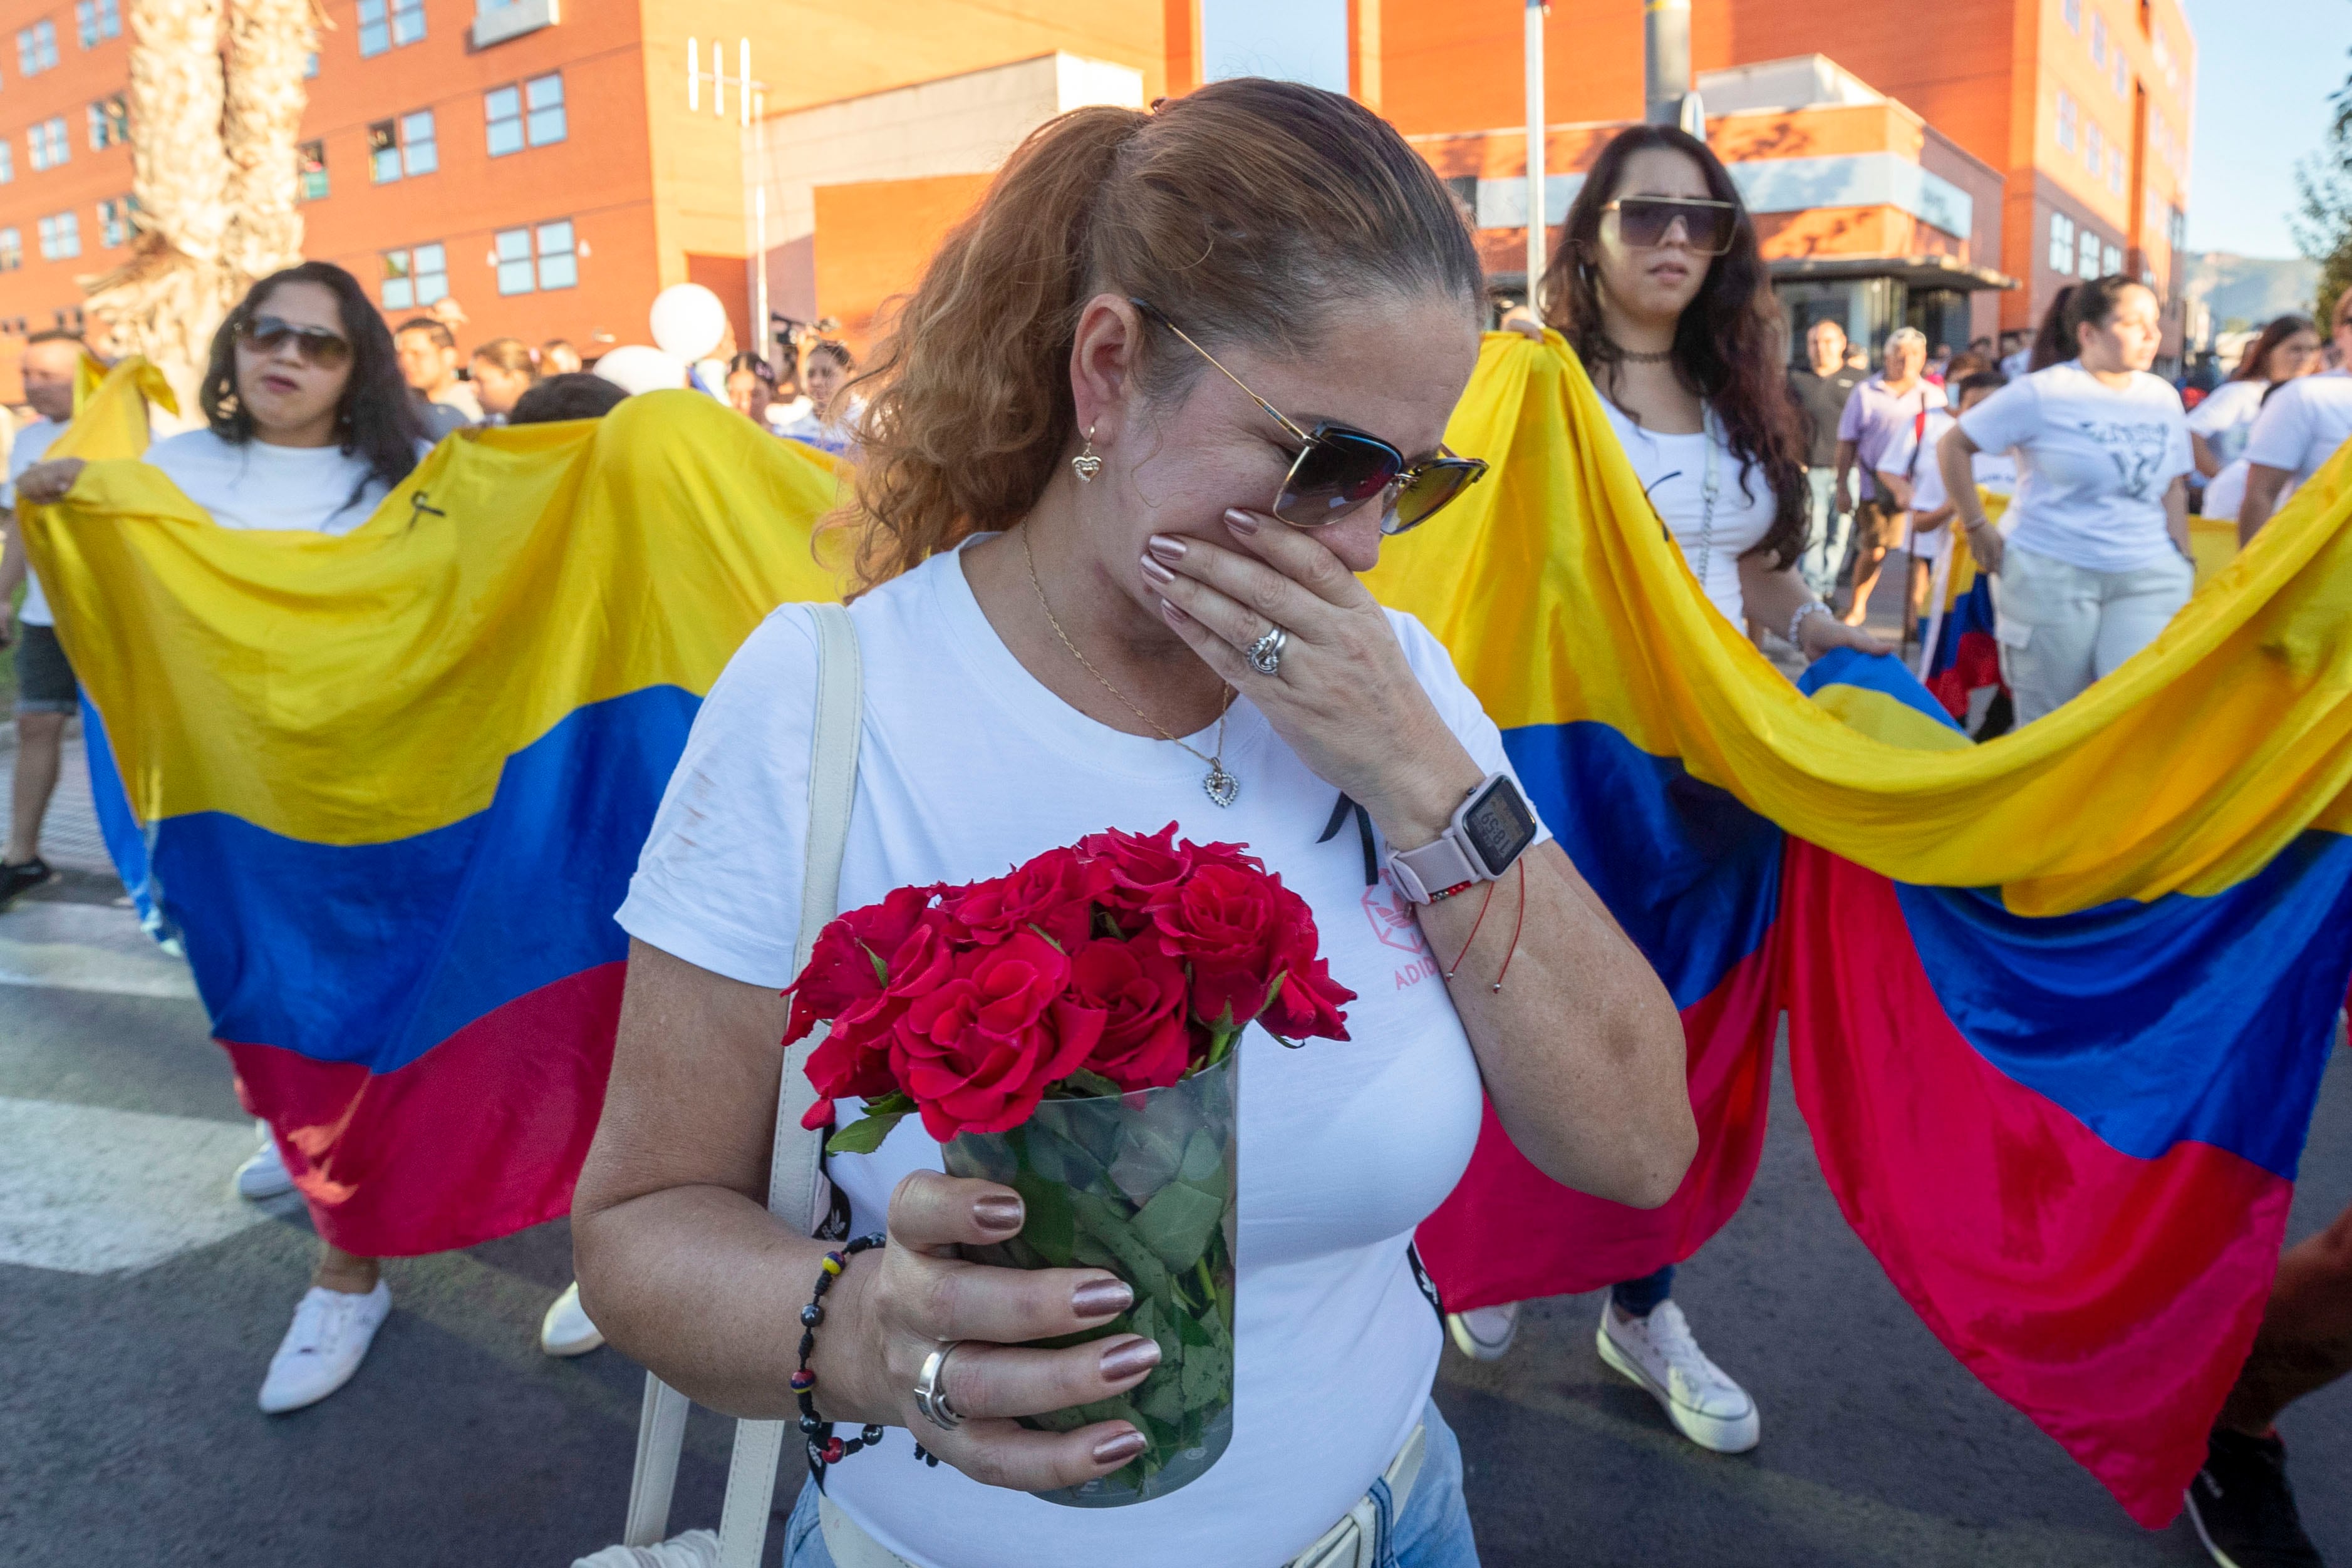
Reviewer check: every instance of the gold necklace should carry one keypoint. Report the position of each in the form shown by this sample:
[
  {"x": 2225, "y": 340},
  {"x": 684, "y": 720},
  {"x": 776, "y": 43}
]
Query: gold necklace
[{"x": 1220, "y": 786}]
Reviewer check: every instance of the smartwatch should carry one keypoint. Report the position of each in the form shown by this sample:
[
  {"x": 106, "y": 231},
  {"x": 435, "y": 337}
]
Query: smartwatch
[{"x": 1494, "y": 828}]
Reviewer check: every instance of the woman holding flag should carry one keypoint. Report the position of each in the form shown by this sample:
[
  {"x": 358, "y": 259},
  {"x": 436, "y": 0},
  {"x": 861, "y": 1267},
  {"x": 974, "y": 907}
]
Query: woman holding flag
[{"x": 1658, "y": 285}]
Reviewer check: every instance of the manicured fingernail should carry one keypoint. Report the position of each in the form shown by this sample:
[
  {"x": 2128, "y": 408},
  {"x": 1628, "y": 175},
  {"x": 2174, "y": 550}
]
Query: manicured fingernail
[
  {"x": 1157, "y": 572},
  {"x": 1167, "y": 546},
  {"x": 1172, "y": 613},
  {"x": 1130, "y": 1358},
  {"x": 998, "y": 1211},
  {"x": 1119, "y": 1450},
  {"x": 1240, "y": 522},
  {"x": 1101, "y": 1298}
]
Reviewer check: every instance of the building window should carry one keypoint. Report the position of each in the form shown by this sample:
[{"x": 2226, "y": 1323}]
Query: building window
[
  {"x": 310, "y": 165},
  {"x": 36, "y": 48},
  {"x": 2062, "y": 243},
  {"x": 2072, "y": 10},
  {"x": 529, "y": 116},
  {"x": 97, "y": 20},
  {"x": 8, "y": 160},
  {"x": 2099, "y": 41},
  {"x": 2176, "y": 232},
  {"x": 541, "y": 257},
  {"x": 109, "y": 123},
  {"x": 114, "y": 225},
  {"x": 2094, "y": 150},
  {"x": 2111, "y": 260},
  {"x": 417, "y": 278},
  {"x": 386, "y": 23},
  {"x": 12, "y": 248},
  {"x": 2123, "y": 75},
  {"x": 2087, "y": 255},
  {"x": 402, "y": 147},
  {"x": 2115, "y": 170},
  {"x": 47, "y": 143},
  {"x": 60, "y": 236},
  {"x": 309, "y": 65},
  {"x": 2065, "y": 119}
]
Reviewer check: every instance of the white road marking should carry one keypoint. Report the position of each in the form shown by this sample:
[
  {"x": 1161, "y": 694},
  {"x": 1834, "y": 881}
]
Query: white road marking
[
  {"x": 85, "y": 948},
  {"x": 85, "y": 1190}
]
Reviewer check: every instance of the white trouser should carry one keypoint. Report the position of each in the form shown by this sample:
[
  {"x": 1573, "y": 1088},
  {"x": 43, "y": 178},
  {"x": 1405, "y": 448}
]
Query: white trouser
[{"x": 2061, "y": 627}]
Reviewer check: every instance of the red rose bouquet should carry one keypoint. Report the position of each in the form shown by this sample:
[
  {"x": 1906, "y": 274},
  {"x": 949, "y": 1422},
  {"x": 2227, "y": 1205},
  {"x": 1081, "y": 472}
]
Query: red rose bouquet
[{"x": 1066, "y": 1030}]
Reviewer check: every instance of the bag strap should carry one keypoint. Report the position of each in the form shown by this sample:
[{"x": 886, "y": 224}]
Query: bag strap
[{"x": 798, "y": 1193}]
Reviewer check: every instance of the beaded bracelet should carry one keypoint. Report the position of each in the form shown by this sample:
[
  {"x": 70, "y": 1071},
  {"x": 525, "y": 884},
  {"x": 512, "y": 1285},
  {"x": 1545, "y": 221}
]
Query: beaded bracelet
[{"x": 816, "y": 1432}]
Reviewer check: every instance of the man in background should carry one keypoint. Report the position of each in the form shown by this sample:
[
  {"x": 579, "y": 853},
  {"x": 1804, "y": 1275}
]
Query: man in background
[
  {"x": 429, "y": 362},
  {"x": 46, "y": 692},
  {"x": 1891, "y": 403},
  {"x": 557, "y": 357},
  {"x": 1822, "y": 389}
]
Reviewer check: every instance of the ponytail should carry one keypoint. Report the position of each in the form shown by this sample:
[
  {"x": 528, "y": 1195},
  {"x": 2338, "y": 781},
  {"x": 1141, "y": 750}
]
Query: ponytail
[
  {"x": 2052, "y": 343},
  {"x": 1246, "y": 211}
]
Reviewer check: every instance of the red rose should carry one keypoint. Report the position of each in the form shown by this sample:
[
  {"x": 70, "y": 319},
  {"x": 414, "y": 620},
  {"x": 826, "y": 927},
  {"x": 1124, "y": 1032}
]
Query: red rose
[
  {"x": 1147, "y": 1040},
  {"x": 1239, "y": 929},
  {"x": 1146, "y": 869},
  {"x": 1054, "y": 893},
  {"x": 1310, "y": 1001},
  {"x": 976, "y": 1053},
  {"x": 852, "y": 957}
]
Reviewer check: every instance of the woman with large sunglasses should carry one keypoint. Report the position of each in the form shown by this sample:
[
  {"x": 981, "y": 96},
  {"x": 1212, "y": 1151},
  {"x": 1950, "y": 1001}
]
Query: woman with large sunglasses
[
  {"x": 308, "y": 426},
  {"x": 1658, "y": 285},
  {"x": 1148, "y": 414}
]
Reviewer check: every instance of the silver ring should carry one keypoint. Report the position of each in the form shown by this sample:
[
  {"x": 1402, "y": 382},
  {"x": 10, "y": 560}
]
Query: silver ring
[
  {"x": 930, "y": 1389},
  {"x": 1264, "y": 655}
]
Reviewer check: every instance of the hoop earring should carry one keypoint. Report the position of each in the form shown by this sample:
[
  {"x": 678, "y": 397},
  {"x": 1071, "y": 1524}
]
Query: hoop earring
[{"x": 1088, "y": 463}]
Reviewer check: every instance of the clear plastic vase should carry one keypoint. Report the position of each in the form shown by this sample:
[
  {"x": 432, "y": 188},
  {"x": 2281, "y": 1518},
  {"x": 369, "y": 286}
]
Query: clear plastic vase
[{"x": 1142, "y": 1185}]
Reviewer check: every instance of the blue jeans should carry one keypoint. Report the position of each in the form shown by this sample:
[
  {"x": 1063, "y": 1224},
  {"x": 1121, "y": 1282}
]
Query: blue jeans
[
  {"x": 1640, "y": 1297},
  {"x": 1827, "y": 530},
  {"x": 1433, "y": 1531}
]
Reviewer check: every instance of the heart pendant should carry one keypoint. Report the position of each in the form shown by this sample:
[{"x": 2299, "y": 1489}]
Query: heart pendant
[
  {"x": 1220, "y": 785},
  {"x": 1086, "y": 465}
]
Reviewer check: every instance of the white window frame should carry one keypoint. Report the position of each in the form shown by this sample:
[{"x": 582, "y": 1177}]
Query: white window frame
[
  {"x": 12, "y": 248},
  {"x": 36, "y": 47},
  {"x": 524, "y": 257},
  {"x": 95, "y": 21},
  {"x": 2062, "y": 243},
  {"x": 60, "y": 235},
  {"x": 2087, "y": 255},
  {"x": 408, "y": 290}
]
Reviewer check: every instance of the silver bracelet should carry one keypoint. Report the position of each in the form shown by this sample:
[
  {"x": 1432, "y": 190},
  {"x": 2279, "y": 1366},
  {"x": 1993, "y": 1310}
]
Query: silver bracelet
[{"x": 1804, "y": 611}]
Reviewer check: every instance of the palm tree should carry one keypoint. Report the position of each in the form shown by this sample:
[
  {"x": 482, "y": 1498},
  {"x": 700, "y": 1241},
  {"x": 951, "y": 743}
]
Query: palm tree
[{"x": 214, "y": 175}]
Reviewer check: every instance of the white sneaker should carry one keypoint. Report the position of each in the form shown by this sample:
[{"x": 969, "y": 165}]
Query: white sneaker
[
  {"x": 264, "y": 1175},
  {"x": 328, "y": 1339},
  {"x": 1658, "y": 1353},
  {"x": 1484, "y": 1334},
  {"x": 566, "y": 1330}
]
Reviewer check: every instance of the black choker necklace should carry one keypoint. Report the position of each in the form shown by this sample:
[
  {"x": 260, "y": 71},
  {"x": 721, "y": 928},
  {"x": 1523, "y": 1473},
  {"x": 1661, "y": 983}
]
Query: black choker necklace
[{"x": 1631, "y": 358}]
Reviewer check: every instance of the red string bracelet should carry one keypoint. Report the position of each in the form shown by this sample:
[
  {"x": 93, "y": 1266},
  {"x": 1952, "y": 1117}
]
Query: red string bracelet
[
  {"x": 1516, "y": 925},
  {"x": 1456, "y": 965}
]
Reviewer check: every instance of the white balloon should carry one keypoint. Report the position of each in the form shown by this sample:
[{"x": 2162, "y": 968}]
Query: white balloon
[
  {"x": 689, "y": 321},
  {"x": 637, "y": 368}
]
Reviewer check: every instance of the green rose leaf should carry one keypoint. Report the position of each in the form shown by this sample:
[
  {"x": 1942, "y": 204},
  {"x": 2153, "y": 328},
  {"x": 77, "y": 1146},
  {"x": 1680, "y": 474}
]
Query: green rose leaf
[
  {"x": 1207, "y": 1377},
  {"x": 1050, "y": 1225},
  {"x": 1177, "y": 1224},
  {"x": 864, "y": 1136},
  {"x": 1135, "y": 1262}
]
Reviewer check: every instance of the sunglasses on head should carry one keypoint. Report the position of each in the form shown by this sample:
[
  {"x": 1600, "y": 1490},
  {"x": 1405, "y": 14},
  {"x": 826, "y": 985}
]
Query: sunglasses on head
[
  {"x": 1338, "y": 468},
  {"x": 316, "y": 345},
  {"x": 1644, "y": 222}
]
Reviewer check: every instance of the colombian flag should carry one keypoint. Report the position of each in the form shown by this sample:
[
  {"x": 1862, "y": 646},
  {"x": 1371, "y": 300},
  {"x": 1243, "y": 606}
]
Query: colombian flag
[
  {"x": 2057, "y": 1006},
  {"x": 388, "y": 789}
]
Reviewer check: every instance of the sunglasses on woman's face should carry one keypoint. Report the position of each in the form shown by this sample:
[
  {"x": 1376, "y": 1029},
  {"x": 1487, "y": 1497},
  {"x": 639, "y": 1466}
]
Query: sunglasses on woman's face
[
  {"x": 1340, "y": 468},
  {"x": 315, "y": 345},
  {"x": 1644, "y": 223}
]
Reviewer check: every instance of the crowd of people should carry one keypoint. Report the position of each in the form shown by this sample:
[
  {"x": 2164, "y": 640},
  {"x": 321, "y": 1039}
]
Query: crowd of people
[{"x": 1036, "y": 604}]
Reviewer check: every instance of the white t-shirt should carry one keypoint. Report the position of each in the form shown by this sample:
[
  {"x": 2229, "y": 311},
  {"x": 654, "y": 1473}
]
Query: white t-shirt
[
  {"x": 2302, "y": 425},
  {"x": 2225, "y": 493},
  {"x": 2226, "y": 415},
  {"x": 1674, "y": 473},
  {"x": 32, "y": 444},
  {"x": 967, "y": 767},
  {"x": 311, "y": 489},
  {"x": 2093, "y": 463}
]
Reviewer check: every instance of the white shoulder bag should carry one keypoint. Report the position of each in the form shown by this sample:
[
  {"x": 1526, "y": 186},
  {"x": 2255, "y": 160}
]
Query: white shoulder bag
[{"x": 798, "y": 1193}]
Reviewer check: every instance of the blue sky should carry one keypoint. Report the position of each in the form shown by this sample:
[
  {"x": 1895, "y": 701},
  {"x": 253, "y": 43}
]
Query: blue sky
[
  {"x": 2264, "y": 69},
  {"x": 1300, "y": 40}
]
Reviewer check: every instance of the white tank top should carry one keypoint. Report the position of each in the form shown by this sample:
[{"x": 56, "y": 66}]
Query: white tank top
[{"x": 1694, "y": 481}]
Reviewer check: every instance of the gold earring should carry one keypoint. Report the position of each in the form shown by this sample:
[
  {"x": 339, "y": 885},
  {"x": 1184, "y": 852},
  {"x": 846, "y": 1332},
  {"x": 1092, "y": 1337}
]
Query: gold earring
[{"x": 1086, "y": 463}]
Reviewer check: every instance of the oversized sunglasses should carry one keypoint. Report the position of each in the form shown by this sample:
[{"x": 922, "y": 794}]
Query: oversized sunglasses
[
  {"x": 1644, "y": 222},
  {"x": 1340, "y": 468},
  {"x": 316, "y": 345}
]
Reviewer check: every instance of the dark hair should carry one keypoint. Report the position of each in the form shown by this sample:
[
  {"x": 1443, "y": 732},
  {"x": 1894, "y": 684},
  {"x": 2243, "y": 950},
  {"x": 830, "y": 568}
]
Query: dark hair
[
  {"x": 1980, "y": 381},
  {"x": 1724, "y": 344},
  {"x": 755, "y": 363},
  {"x": 1248, "y": 211},
  {"x": 437, "y": 330},
  {"x": 835, "y": 350},
  {"x": 2254, "y": 363},
  {"x": 58, "y": 335},
  {"x": 1962, "y": 365},
  {"x": 2052, "y": 345},
  {"x": 511, "y": 355},
  {"x": 575, "y": 394},
  {"x": 375, "y": 418}
]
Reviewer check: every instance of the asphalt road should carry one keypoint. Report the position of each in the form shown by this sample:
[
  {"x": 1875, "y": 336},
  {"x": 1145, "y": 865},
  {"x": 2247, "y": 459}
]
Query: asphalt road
[{"x": 139, "y": 1304}]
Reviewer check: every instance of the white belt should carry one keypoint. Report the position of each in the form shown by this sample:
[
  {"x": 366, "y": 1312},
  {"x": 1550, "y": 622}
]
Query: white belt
[{"x": 1356, "y": 1542}]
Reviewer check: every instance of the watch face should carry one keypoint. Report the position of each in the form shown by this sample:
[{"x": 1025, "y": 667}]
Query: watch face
[{"x": 1499, "y": 826}]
